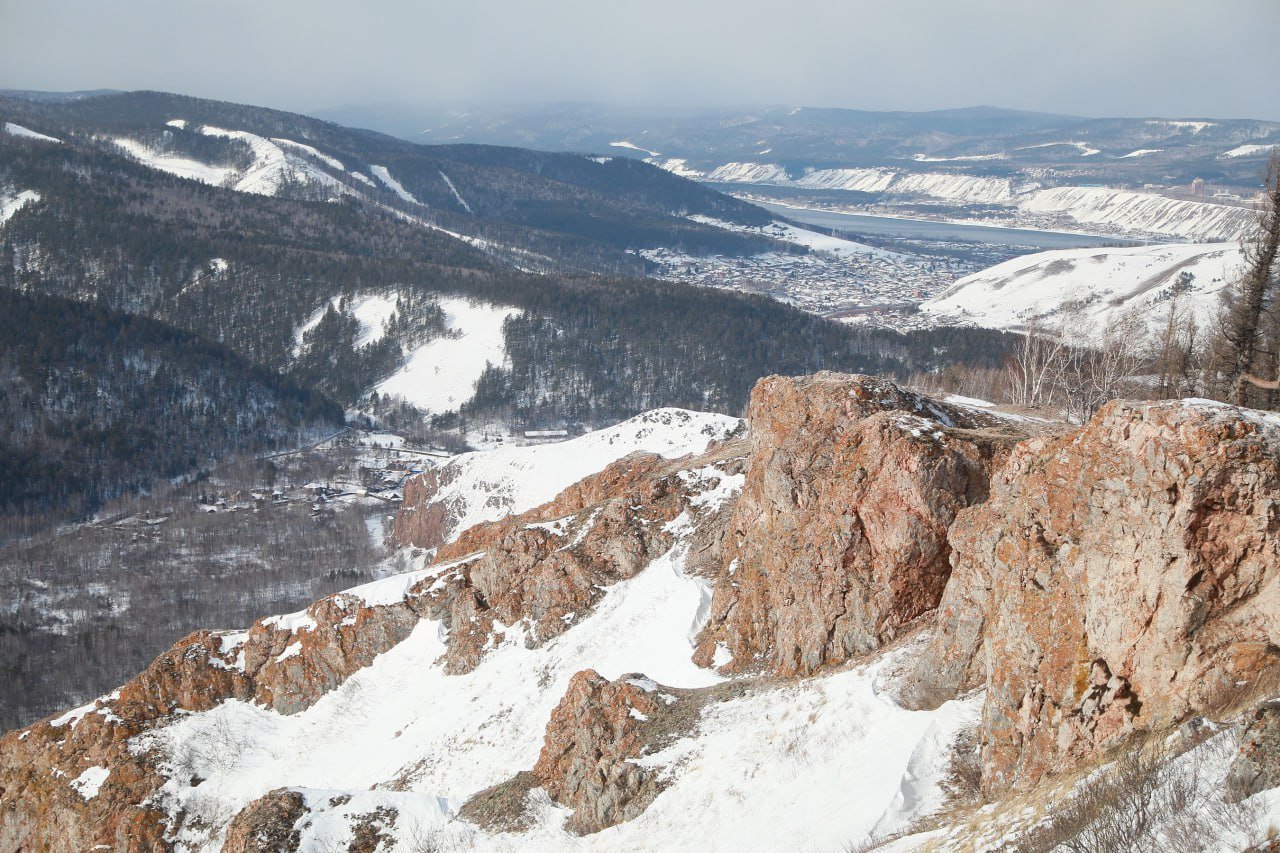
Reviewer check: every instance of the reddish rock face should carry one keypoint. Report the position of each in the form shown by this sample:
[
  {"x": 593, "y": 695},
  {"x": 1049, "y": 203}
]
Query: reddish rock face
[
  {"x": 1123, "y": 577},
  {"x": 266, "y": 824},
  {"x": 546, "y": 568},
  {"x": 272, "y": 664},
  {"x": 422, "y": 520},
  {"x": 594, "y": 733},
  {"x": 840, "y": 535}
]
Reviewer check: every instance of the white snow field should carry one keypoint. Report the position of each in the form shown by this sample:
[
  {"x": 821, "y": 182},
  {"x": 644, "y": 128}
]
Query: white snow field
[
  {"x": 381, "y": 173},
  {"x": 18, "y": 130},
  {"x": 12, "y": 203},
  {"x": 183, "y": 167},
  {"x": 371, "y": 310},
  {"x": 441, "y": 375},
  {"x": 276, "y": 162},
  {"x": 491, "y": 484},
  {"x": 838, "y": 246},
  {"x": 1107, "y": 209},
  {"x": 1105, "y": 283},
  {"x": 812, "y": 764},
  {"x": 1249, "y": 150}
]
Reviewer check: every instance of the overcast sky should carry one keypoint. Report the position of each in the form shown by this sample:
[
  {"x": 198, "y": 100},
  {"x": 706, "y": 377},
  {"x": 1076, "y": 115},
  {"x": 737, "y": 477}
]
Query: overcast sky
[{"x": 1215, "y": 58}]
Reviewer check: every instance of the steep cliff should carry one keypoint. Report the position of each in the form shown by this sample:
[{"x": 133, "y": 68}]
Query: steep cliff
[
  {"x": 708, "y": 647},
  {"x": 1121, "y": 578},
  {"x": 839, "y": 538}
]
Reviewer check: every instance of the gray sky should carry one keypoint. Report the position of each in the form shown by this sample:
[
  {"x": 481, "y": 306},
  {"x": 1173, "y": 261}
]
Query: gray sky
[{"x": 1215, "y": 58}]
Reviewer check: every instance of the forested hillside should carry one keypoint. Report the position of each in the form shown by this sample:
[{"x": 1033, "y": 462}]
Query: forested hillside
[
  {"x": 558, "y": 212},
  {"x": 95, "y": 403},
  {"x": 252, "y": 270}
]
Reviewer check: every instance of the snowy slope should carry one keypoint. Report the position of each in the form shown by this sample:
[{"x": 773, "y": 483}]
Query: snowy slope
[
  {"x": 812, "y": 240},
  {"x": 183, "y": 167},
  {"x": 12, "y": 203},
  {"x": 381, "y": 173},
  {"x": 1251, "y": 150},
  {"x": 276, "y": 163},
  {"x": 1102, "y": 209},
  {"x": 1105, "y": 282},
  {"x": 441, "y": 375},
  {"x": 18, "y": 130},
  {"x": 371, "y": 310},
  {"x": 1145, "y": 212},
  {"x": 777, "y": 764},
  {"x": 491, "y": 484}
]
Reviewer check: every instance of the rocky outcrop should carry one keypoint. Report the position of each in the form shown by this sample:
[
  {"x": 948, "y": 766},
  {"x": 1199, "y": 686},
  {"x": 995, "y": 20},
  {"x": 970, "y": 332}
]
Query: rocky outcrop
[
  {"x": 541, "y": 571},
  {"x": 267, "y": 824},
  {"x": 424, "y": 520},
  {"x": 474, "y": 488},
  {"x": 1120, "y": 578},
  {"x": 285, "y": 663},
  {"x": 1256, "y": 767},
  {"x": 839, "y": 537},
  {"x": 594, "y": 734}
]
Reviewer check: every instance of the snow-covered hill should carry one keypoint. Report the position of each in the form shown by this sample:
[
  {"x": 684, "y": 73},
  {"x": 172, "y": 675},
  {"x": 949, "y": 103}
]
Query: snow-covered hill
[
  {"x": 275, "y": 163},
  {"x": 440, "y": 376},
  {"x": 491, "y": 484},
  {"x": 1102, "y": 283},
  {"x": 1100, "y": 209}
]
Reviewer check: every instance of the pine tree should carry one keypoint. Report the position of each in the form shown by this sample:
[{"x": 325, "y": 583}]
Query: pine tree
[{"x": 1254, "y": 295}]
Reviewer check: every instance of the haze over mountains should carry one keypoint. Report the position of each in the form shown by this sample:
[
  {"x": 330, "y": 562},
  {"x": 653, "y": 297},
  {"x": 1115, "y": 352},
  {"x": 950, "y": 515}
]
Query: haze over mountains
[
  {"x": 247, "y": 354},
  {"x": 362, "y": 266}
]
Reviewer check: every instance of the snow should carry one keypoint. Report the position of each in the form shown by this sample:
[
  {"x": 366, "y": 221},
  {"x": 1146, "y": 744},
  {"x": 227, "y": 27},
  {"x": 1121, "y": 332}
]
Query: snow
[
  {"x": 788, "y": 233},
  {"x": 1106, "y": 282},
  {"x": 270, "y": 167},
  {"x": 749, "y": 173},
  {"x": 331, "y": 162},
  {"x": 1249, "y": 150},
  {"x": 11, "y": 204},
  {"x": 457, "y": 195},
  {"x": 873, "y": 180},
  {"x": 88, "y": 783},
  {"x": 394, "y": 589},
  {"x": 381, "y": 173},
  {"x": 271, "y": 171},
  {"x": 292, "y": 650},
  {"x": 491, "y": 484},
  {"x": 74, "y": 715},
  {"x": 453, "y": 734},
  {"x": 778, "y": 762},
  {"x": 332, "y": 812},
  {"x": 1141, "y": 152},
  {"x": 1084, "y": 148},
  {"x": 18, "y": 130},
  {"x": 633, "y": 147},
  {"x": 292, "y": 622},
  {"x": 1138, "y": 211},
  {"x": 1193, "y": 126},
  {"x": 364, "y": 179},
  {"x": 1097, "y": 209},
  {"x": 179, "y": 123},
  {"x": 371, "y": 310},
  {"x": 678, "y": 166},
  {"x": 441, "y": 375},
  {"x": 925, "y": 158},
  {"x": 183, "y": 167},
  {"x": 970, "y": 402}
]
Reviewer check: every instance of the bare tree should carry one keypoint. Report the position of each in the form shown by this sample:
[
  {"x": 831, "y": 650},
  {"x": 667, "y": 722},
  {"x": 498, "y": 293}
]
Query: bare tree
[{"x": 1035, "y": 365}]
